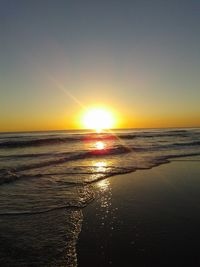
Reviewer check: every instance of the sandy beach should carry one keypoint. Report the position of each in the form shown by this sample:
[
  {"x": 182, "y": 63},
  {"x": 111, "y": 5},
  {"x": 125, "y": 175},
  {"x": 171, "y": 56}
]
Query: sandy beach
[{"x": 146, "y": 218}]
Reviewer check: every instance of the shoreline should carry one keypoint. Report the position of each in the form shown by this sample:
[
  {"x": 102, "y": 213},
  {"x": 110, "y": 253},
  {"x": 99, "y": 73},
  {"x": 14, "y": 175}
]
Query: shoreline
[
  {"x": 181, "y": 158},
  {"x": 144, "y": 218}
]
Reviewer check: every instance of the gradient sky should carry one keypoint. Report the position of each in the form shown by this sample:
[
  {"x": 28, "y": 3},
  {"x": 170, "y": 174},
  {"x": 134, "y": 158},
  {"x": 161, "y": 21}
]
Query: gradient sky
[{"x": 139, "y": 58}]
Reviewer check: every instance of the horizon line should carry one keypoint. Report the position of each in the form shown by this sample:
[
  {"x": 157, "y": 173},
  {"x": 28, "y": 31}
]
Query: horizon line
[{"x": 92, "y": 130}]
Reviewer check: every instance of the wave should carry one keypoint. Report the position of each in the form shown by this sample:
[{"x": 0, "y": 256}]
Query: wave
[
  {"x": 76, "y": 206},
  {"x": 194, "y": 143},
  {"x": 30, "y": 141},
  {"x": 162, "y": 147},
  {"x": 55, "y": 140},
  {"x": 116, "y": 150},
  {"x": 80, "y": 202},
  {"x": 30, "y": 155},
  {"x": 35, "y": 142},
  {"x": 154, "y": 135},
  {"x": 67, "y": 206},
  {"x": 10, "y": 175}
]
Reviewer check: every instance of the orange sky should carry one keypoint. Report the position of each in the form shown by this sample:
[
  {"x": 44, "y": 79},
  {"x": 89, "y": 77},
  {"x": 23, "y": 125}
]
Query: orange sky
[{"x": 141, "y": 61}]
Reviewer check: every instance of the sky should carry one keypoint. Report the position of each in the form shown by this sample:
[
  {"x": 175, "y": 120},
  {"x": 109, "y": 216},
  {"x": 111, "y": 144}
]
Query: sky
[{"x": 140, "y": 59}]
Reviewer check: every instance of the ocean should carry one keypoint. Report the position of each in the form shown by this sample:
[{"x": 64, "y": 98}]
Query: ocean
[
  {"x": 43, "y": 171},
  {"x": 47, "y": 178}
]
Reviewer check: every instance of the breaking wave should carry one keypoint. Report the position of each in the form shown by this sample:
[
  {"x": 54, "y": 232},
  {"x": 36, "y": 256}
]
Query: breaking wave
[
  {"x": 30, "y": 141},
  {"x": 54, "y": 176}
]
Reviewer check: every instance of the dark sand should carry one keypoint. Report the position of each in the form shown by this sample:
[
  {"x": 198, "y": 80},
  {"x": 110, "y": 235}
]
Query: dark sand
[{"x": 146, "y": 218}]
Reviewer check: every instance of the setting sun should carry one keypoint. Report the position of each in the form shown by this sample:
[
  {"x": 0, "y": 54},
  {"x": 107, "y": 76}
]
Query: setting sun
[{"x": 98, "y": 119}]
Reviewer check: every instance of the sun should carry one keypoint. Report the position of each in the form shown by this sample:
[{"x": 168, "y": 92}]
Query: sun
[{"x": 98, "y": 119}]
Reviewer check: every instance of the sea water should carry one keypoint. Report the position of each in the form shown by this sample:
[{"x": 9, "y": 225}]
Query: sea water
[
  {"x": 47, "y": 178},
  {"x": 41, "y": 171}
]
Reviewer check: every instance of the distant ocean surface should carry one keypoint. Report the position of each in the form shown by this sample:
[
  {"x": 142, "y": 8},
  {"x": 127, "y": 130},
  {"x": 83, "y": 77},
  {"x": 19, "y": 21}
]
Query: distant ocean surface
[{"x": 43, "y": 171}]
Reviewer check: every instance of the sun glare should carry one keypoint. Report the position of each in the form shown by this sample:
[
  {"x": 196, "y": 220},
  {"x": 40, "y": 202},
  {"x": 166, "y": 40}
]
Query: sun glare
[
  {"x": 100, "y": 145},
  {"x": 98, "y": 119}
]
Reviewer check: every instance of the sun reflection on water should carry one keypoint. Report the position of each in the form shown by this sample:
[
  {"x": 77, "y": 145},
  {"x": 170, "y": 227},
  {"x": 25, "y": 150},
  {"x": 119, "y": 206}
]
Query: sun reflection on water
[
  {"x": 100, "y": 145},
  {"x": 106, "y": 213},
  {"x": 100, "y": 166},
  {"x": 103, "y": 185},
  {"x": 105, "y": 191}
]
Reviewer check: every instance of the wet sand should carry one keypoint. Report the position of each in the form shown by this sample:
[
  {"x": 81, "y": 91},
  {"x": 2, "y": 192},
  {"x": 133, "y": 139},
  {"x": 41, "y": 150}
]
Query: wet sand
[{"x": 146, "y": 218}]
